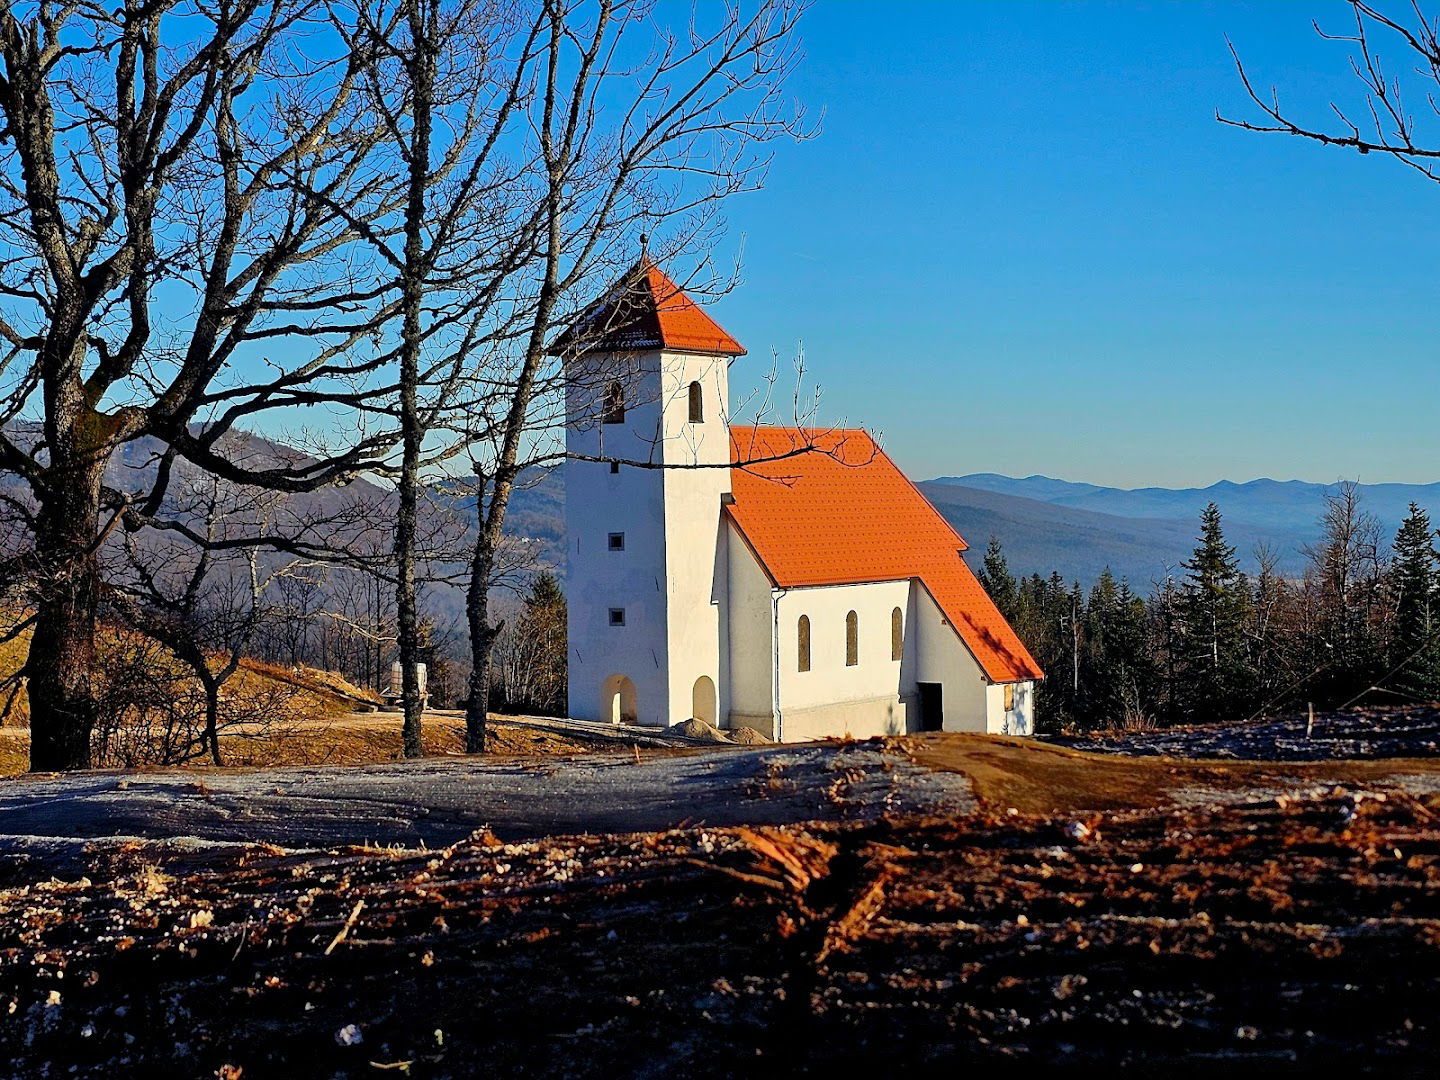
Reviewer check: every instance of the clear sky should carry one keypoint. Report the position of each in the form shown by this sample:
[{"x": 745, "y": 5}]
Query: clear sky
[{"x": 1022, "y": 244}]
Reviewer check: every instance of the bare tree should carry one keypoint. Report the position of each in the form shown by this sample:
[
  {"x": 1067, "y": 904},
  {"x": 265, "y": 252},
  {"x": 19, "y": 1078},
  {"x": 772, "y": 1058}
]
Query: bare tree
[
  {"x": 1345, "y": 586},
  {"x": 538, "y": 142},
  {"x": 1389, "y": 119},
  {"x": 207, "y": 156},
  {"x": 636, "y": 129},
  {"x": 204, "y": 602}
]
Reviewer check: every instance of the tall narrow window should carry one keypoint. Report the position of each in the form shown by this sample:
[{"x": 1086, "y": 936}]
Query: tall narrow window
[
  {"x": 615, "y": 403},
  {"x": 852, "y": 639},
  {"x": 897, "y": 634},
  {"x": 697, "y": 404},
  {"x": 1009, "y": 697},
  {"x": 802, "y": 643}
]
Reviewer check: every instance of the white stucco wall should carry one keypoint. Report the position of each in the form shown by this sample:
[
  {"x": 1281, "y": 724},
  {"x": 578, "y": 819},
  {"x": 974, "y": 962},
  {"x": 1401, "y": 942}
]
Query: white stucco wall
[
  {"x": 1018, "y": 721},
  {"x": 876, "y": 696},
  {"x": 750, "y": 638},
  {"x": 598, "y": 503},
  {"x": 941, "y": 657},
  {"x": 696, "y": 552},
  {"x": 832, "y": 698},
  {"x": 671, "y": 576}
]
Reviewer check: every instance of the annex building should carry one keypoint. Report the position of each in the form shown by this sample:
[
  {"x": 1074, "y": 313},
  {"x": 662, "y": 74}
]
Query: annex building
[{"x": 787, "y": 579}]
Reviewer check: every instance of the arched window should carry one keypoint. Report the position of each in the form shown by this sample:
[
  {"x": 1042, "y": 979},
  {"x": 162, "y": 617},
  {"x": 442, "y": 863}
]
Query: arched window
[
  {"x": 697, "y": 404},
  {"x": 615, "y": 403},
  {"x": 802, "y": 643},
  {"x": 852, "y": 639},
  {"x": 897, "y": 634}
]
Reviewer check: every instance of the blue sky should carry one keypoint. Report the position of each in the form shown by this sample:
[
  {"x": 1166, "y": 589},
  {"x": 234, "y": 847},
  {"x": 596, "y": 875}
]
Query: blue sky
[{"x": 1023, "y": 244}]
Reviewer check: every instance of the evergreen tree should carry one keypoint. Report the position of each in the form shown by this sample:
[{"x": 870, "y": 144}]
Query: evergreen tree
[
  {"x": 1214, "y": 608},
  {"x": 1415, "y": 585},
  {"x": 1118, "y": 674},
  {"x": 998, "y": 582}
]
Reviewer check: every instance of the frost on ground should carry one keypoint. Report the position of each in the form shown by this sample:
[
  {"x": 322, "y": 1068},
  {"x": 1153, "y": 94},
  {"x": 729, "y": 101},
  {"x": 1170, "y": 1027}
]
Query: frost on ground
[
  {"x": 1296, "y": 937},
  {"x": 1354, "y": 735},
  {"x": 439, "y": 802}
]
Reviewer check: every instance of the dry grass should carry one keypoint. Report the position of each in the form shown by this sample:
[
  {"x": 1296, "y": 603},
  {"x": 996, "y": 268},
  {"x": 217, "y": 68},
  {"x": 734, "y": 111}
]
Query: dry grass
[
  {"x": 365, "y": 740},
  {"x": 345, "y": 739},
  {"x": 12, "y": 657},
  {"x": 311, "y": 680}
]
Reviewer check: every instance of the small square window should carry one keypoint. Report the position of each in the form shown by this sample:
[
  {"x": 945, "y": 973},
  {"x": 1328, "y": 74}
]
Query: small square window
[
  {"x": 617, "y": 541},
  {"x": 617, "y": 616},
  {"x": 614, "y": 468}
]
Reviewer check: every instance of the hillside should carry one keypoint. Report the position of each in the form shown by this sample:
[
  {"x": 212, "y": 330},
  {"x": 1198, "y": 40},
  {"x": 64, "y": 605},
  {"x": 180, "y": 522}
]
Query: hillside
[
  {"x": 1039, "y": 537},
  {"x": 1079, "y": 528},
  {"x": 1282, "y": 506}
]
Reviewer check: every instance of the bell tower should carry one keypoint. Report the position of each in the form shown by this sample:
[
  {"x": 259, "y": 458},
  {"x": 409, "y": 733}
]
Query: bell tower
[{"x": 647, "y": 411}]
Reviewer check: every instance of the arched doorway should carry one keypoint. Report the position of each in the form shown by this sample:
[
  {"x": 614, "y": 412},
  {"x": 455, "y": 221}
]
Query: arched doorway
[
  {"x": 702, "y": 700},
  {"x": 618, "y": 701}
]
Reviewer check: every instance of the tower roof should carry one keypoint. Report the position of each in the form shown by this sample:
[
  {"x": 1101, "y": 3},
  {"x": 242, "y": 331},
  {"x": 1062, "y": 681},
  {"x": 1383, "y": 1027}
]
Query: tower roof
[
  {"x": 645, "y": 310},
  {"x": 843, "y": 514}
]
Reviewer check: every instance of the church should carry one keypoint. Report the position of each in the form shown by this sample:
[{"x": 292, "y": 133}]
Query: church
[{"x": 790, "y": 580}]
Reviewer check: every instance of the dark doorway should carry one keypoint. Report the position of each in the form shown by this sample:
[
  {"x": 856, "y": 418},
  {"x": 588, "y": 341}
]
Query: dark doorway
[{"x": 932, "y": 706}]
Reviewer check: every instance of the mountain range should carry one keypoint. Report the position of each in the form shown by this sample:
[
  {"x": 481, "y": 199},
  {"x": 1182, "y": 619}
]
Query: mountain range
[
  {"x": 1043, "y": 524},
  {"x": 1143, "y": 534}
]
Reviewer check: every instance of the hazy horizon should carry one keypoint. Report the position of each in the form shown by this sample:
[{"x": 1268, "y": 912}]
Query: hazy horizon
[{"x": 1187, "y": 487}]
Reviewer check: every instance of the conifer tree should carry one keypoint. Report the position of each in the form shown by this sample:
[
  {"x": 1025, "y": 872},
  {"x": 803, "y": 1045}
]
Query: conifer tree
[
  {"x": 1117, "y": 674},
  {"x": 1415, "y": 584},
  {"x": 1214, "y": 604},
  {"x": 998, "y": 582}
]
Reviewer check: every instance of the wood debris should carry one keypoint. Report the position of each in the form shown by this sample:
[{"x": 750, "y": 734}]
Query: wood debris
[{"x": 1290, "y": 936}]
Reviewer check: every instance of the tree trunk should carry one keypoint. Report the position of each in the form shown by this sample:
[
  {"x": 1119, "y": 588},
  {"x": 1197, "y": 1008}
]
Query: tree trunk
[
  {"x": 212, "y": 716},
  {"x": 421, "y": 65},
  {"x": 482, "y": 634},
  {"x": 64, "y": 705}
]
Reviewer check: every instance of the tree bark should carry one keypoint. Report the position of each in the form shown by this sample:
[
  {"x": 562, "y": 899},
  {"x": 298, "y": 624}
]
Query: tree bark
[
  {"x": 482, "y": 634},
  {"x": 64, "y": 704},
  {"x": 212, "y": 714},
  {"x": 421, "y": 62}
]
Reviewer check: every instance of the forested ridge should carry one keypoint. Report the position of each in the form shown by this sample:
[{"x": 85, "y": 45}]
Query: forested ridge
[{"x": 1212, "y": 643}]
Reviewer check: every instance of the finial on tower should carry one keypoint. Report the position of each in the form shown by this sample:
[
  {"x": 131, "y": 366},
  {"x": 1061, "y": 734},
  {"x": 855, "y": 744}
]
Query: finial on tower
[{"x": 644, "y": 245}]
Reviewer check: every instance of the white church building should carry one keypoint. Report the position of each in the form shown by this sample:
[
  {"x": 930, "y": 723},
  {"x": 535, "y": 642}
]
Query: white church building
[{"x": 790, "y": 580}]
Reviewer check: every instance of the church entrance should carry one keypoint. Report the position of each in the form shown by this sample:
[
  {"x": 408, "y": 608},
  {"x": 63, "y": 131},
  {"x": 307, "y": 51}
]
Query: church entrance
[
  {"x": 618, "y": 700},
  {"x": 932, "y": 705},
  {"x": 702, "y": 700}
]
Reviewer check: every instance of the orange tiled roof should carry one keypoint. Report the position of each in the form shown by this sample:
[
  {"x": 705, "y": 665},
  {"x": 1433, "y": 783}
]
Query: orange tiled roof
[
  {"x": 645, "y": 310},
  {"x": 848, "y": 515}
]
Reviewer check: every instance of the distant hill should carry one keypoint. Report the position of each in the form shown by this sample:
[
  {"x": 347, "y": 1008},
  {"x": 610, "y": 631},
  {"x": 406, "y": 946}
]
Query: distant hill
[
  {"x": 1139, "y": 532},
  {"x": 1291, "y": 505},
  {"x": 1039, "y": 537}
]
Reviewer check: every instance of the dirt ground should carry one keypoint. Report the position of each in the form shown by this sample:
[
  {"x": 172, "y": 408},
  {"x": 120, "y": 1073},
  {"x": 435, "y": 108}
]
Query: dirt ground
[
  {"x": 1289, "y": 937},
  {"x": 894, "y": 906},
  {"x": 1036, "y": 777}
]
